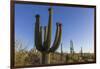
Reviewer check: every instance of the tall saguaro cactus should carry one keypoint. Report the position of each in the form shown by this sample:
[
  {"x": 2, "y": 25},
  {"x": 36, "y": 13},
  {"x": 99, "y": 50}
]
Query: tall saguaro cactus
[{"x": 43, "y": 44}]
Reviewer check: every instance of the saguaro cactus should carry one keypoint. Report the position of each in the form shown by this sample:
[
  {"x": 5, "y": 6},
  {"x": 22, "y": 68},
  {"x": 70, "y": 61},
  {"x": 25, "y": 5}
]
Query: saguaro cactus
[
  {"x": 61, "y": 52},
  {"x": 81, "y": 52},
  {"x": 71, "y": 49},
  {"x": 43, "y": 44}
]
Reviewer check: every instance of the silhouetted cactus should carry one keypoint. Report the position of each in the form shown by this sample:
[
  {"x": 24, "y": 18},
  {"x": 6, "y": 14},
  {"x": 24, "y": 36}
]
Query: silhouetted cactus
[
  {"x": 71, "y": 47},
  {"x": 61, "y": 52},
  {"x": 71, "y": 50},
  {"x": 44, "y": 46},
  {"x": 81, "y": 52}
]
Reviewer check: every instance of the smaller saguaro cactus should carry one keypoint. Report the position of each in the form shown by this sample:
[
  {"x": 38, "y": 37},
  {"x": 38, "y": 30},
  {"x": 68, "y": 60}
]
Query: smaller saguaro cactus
[
  {"x": 71, "y": 49},
  {"x": 61, "y": 52},
  {"x": 44, "y": 44},
  {"x": 81, "y": 52}
]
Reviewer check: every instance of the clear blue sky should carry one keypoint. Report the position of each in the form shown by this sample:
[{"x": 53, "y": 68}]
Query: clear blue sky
[{"x": 77, "y": 25}]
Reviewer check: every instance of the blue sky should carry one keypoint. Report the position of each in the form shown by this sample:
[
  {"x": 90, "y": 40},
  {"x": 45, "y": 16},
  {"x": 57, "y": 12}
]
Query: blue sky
[{"x": 77, "y": 25}]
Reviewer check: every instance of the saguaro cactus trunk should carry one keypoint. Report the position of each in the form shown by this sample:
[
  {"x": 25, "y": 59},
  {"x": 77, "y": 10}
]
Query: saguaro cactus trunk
[{"x": 44, "y": 46}]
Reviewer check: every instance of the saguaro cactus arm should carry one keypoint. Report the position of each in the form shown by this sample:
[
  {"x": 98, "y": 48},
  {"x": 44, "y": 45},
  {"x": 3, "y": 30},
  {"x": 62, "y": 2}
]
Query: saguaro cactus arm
[
  {"x": 37, "y": 34},
  {"x": 57, "y": 38},
  {"x": 40, "y": 36},
  {"x": 45, "y": 38},
  {"x": 45, "y": 33},
  {"x": 48, "y": 41}
]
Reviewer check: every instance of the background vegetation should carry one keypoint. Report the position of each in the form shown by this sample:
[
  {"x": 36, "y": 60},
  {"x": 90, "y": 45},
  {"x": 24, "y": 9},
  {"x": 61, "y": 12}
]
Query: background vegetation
[{"x": 24, "y": 57}]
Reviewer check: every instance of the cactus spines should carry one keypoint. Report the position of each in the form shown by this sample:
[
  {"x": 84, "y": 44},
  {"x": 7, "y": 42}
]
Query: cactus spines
[{"x": 44, "y": 46}]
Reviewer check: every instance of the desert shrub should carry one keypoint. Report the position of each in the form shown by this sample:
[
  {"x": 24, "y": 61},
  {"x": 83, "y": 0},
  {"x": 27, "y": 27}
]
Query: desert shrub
[{"x": 33, "y": 57}]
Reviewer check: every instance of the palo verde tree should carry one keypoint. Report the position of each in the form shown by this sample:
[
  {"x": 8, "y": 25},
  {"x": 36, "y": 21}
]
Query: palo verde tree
[{"x": 43, "y": 44}]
